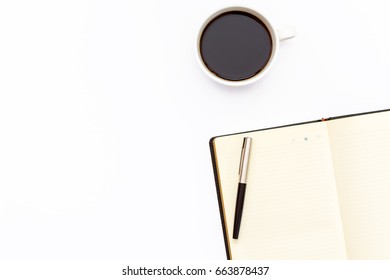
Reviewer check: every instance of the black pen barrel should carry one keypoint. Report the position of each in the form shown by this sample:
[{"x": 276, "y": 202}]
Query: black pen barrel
[{"x": 239, "y": 208}]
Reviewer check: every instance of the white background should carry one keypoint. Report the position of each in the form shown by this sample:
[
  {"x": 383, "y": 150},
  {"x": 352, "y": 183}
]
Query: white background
[{"x": 105, "y": 116}]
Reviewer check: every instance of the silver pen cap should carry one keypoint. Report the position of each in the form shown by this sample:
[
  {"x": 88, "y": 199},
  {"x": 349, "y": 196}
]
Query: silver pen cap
[{"x": 244, "y": 162}]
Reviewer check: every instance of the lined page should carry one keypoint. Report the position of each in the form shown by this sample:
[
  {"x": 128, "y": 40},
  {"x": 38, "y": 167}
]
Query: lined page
[
  {"x": 291, "y": 205},
  {"x": 361, "y": 152}
]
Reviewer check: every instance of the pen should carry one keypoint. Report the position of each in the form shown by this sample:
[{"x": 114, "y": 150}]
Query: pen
[{"x": 243, "y": 171}]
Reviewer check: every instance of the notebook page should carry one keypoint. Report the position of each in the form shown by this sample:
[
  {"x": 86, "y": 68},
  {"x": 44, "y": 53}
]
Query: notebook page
[
  {"x": 291, "y": 206},
  {"x": 361, "y": 152}
]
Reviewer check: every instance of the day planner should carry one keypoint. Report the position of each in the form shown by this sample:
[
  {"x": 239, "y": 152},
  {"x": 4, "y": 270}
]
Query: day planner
[{"x": 315, "y": 190}]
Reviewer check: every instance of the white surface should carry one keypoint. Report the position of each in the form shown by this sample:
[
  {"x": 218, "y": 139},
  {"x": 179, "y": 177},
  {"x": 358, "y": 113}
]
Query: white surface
[{"x": 105, "y": 117}]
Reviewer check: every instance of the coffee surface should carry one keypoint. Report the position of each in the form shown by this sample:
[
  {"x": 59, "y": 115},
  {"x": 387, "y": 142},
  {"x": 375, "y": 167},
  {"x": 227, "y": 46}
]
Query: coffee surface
[{"x": 235, "y": 46}]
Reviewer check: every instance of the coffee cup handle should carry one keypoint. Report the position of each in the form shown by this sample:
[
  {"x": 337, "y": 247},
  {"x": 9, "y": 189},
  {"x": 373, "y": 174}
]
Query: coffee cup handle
[{"x": 286, "y": 33}]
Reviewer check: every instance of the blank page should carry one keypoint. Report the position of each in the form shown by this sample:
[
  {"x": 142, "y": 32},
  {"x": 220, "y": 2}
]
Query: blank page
[
  {"x": 291, "y": 207},
  {"x": 361, "y": 152}
]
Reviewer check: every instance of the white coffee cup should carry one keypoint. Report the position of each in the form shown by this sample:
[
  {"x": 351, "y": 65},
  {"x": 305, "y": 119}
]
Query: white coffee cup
[{"x": 276, "y": 37}]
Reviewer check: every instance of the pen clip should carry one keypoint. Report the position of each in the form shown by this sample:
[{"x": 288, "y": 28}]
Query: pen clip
[{"x": 242, "y": 158}]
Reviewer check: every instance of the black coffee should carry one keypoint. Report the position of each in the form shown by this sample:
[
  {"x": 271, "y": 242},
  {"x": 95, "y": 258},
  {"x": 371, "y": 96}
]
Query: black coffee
[{"x": 236, "y": 45}]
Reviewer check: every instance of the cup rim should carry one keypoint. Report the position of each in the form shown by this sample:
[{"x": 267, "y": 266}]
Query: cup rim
[{"x": 258, "y": 76}]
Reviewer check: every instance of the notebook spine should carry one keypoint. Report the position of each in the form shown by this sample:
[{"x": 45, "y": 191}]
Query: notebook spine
[{"x": 220, "y": 204}]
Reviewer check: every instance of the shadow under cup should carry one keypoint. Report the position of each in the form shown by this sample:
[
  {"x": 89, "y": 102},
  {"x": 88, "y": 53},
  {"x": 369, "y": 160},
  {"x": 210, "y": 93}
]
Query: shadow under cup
[{"x": 235, "y": 45}]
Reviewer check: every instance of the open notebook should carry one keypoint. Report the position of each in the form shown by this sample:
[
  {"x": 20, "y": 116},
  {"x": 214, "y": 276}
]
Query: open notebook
[{"x": 316, "y": 190}]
